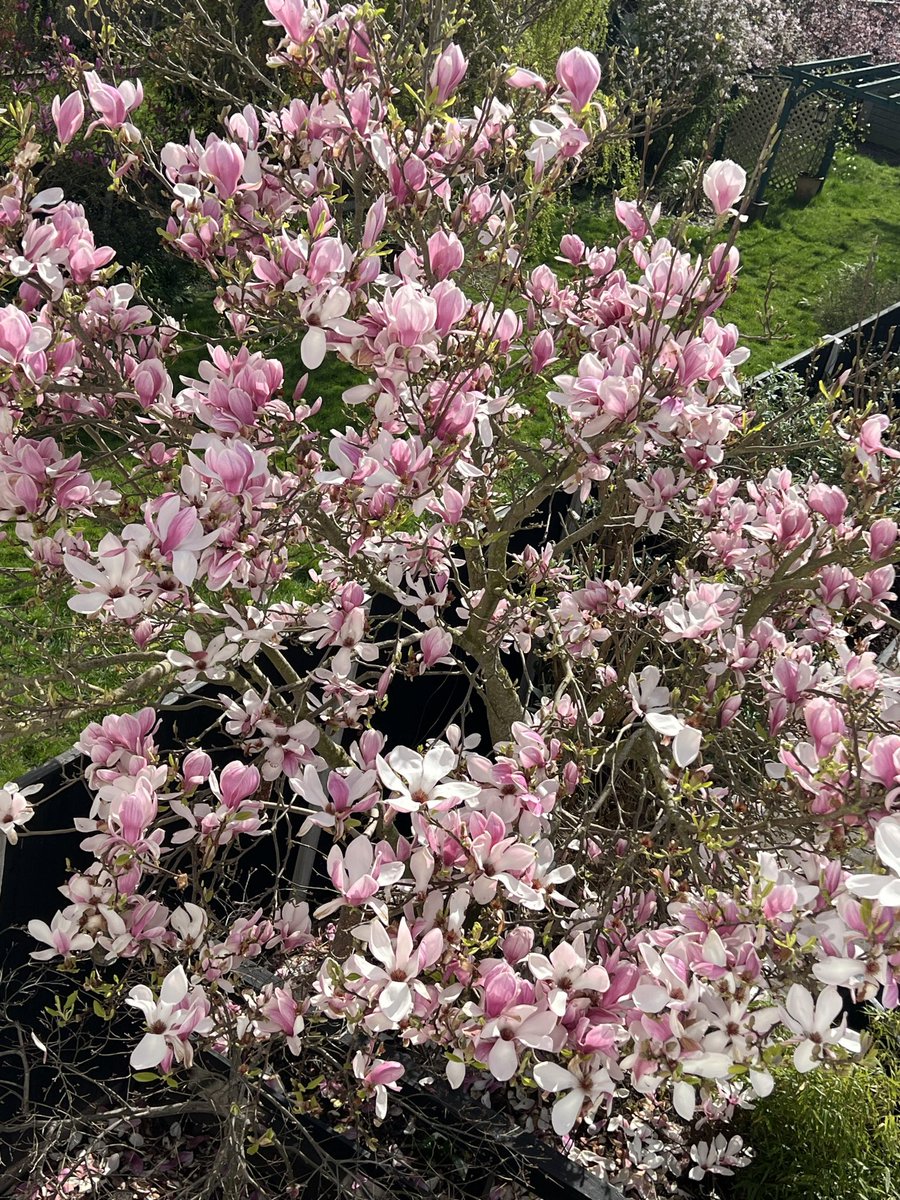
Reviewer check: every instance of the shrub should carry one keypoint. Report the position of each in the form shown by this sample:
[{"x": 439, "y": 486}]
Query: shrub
[
  {"x": 605, "y": 871},
  {"x": 833, "y": 1135},
  {"x": 843, "y": 27},
  {"x": 857, "y": 291}
]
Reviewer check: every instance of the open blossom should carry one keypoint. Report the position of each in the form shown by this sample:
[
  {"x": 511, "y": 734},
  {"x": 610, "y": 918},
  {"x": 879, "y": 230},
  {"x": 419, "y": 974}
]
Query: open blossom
[
  {"x": 15, "y": 809},
  {"x": 395, "y": 980},
  {"x": 197, "y": 659},
  {"x": 171, "y": 1019},
  {"x": 62, "y": 936},
  {"x": 112, "y": 104},
  {"x": 582, "y": 1087},
  {"x": 348, "y": 792},
  {"x": 114, "y": 580},
  {"x": 378, "y": 1075},
  {"x": 812, "y": 1022},
  {"x": 717, "y": 1157},
  {"x": 516, "y": 1028},
  {"x": 566, "y": 970},
  {"x": 883, "y": 888},
  {"x": 358, "y": 874},
  {"x": 413, "y": 779},
  {"x": 651, "y": 699}
]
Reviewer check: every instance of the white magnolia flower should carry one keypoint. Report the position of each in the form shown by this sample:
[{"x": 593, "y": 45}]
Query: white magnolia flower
[
  {"x": 883, "y": 888},
  {"x": 813, "y": 1022},
  {"x": 415, "y": 779},
  {"x": 15, "y": 809},
  {"x": 583, "y": 1087}
]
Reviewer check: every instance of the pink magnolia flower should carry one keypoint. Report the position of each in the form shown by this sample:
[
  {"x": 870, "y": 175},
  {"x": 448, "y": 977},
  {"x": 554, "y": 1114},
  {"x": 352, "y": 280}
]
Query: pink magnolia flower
[
  {"x": 223, "y": 163},
  {"x": 628, "y": 213},
  {"x": 830, "y": 502},
  {"x": 521, "y": 1025},
  {"x": 724, "y": 183},
  {"x": 519, "y": 77},
  {"x": 501, "y": 859},
  {"x": 189, "y": 922},
  {"x": 175, "y": 532},
  {"x": 113, "y": 104},
  {"x": 543, "y": 351},
  {"x": 300, "y": 18},
  {"x": 281, "y": 1014},
  {"x": 358, "y": 874},
  {"x": 402, "y": 962},
  {"x": 61, "y": 935},
  {"x": 378, "y": 1075},
  {"x": 235, "y": 784},
  {"x": 578, "y": 74},
  {"x": 445, "y": 254},
  {"x": 650, "y": 699},
  {"x": 572, "y": 248},
  {"x": 869, "y": 445},
  {"x": 436, "y": 646},
  {"x": 349, "y": 792},
  {"x": 882, "y": 537},
  {"x": 447, "y": 73},
  {"x": 567, "y": 971},
  {"x": 68, "y": 116},
  {"x": 203, "y": 660}
]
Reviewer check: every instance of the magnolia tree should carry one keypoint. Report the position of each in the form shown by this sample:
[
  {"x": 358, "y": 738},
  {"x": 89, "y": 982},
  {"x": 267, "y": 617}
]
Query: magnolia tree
[{"x": 614, "y": 915}]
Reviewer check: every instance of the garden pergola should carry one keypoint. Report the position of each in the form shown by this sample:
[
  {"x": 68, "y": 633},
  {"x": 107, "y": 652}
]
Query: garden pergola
[{"x": 801, "y": 105}]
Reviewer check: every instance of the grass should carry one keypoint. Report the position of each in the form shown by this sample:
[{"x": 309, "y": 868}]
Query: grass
[{"x": 805, "y": 250}]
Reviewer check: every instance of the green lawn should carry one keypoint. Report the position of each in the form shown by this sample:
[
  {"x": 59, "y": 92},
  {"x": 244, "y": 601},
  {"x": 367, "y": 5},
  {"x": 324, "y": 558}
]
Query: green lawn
[{"x": 805, "y": 249}]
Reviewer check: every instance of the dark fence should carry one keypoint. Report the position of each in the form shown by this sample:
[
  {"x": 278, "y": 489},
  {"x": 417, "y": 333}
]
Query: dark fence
[{"x": 839, "y": 351}]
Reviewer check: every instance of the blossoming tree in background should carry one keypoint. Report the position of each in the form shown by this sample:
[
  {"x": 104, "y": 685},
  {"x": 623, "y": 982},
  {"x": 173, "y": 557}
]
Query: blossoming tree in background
[{"x": 626, "y": 877}]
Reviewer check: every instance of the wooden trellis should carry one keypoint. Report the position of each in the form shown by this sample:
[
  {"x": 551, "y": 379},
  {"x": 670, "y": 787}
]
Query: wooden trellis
[{"x": 803, "y": 105}]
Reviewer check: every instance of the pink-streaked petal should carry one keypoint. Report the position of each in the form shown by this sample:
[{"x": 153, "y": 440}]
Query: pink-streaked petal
[{"x": 149, "y": 1052}]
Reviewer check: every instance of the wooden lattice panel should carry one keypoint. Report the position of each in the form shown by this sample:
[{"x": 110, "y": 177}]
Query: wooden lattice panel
[{"x": 803, "y": 142}]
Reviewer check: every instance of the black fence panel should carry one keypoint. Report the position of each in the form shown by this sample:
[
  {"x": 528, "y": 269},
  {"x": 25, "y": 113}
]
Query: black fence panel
[{"x": 838, "y": 351}]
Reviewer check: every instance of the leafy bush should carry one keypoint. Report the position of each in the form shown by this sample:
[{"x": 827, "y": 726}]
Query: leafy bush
[
  {"x": 832, "y": 1135},
  {"x": 856, "y": 291}
]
